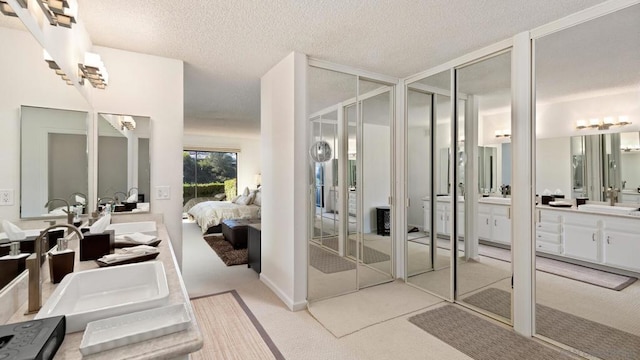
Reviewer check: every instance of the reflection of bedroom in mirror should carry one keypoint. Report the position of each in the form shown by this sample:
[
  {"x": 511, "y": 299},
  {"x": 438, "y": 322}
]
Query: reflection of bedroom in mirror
[{"x": 123, "y": 162}]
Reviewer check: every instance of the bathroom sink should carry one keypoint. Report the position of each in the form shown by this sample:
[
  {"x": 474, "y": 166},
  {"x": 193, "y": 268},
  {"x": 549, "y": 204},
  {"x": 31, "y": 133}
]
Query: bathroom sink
[
  {"x": 496, "y": 200},
  {"x": 617, "y": 210},
  {"x": 102, "y": 293},
  {"x": 147, "y": 227}
]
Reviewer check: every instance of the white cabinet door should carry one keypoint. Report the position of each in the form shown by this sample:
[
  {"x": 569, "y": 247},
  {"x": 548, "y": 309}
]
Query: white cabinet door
[
  {"x": 581, "y": 242},
  {"x": 484, "y": 226},
  {"x": 501, "y": 231},
  {"x": 442, "y": 226},
  {"x": 427, "y": 215},
  {"x": 621, "y": 250}
]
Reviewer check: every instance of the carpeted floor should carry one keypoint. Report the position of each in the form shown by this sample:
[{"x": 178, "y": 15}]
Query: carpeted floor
[
  {"x": 479, "y": 338},
  {"x": 225, "y": 250},
  {"x": 591, "y": 337},
  {"x": 230, "y": 330}
]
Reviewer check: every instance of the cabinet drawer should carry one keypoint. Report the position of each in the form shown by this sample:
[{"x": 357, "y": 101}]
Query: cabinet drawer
[
  {"x": 548, "y": 227},
  {"x": 547, "y": 216},
  {"x": 548, "y": 247},
  {"x": 484, "y": 209},
  {"x": 548, "y": 237}
]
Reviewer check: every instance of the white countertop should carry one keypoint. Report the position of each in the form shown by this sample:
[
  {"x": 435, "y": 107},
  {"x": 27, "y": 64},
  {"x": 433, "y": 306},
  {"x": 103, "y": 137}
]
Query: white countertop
[{"x": 166, "y": 347}]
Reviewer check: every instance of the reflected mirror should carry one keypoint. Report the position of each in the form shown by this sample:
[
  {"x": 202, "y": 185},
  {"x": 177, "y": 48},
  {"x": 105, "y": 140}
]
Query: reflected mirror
[
  {"x": 54, "y": 161},
  {"x": 123, "y": 162}
]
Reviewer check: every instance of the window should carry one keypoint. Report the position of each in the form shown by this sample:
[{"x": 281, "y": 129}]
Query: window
[{"x": 209, "y": 173}]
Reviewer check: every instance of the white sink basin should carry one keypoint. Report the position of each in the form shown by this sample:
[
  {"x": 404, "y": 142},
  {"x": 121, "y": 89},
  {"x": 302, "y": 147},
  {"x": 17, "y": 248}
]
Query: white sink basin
[
  {"x": 618, "y": 210},
  {"x": 148, "y": 227},
  {"x": 496, "y": 200},
  {"x": 102, "y": 293}
]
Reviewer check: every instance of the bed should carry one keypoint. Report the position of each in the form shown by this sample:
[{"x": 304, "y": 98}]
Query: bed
[{"x": 209, "y": 214}]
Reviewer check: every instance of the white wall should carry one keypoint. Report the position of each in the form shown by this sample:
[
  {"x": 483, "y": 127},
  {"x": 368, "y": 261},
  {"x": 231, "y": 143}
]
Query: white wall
[
  {"x": 553, "y": 165},
  {"x": 284, "y": 161},
  {"x": 376, "y": 172},
  {"x": 26, "y": 80},
  {"x": 248, "y": 157},
  {"x": 152, "y": 86}
]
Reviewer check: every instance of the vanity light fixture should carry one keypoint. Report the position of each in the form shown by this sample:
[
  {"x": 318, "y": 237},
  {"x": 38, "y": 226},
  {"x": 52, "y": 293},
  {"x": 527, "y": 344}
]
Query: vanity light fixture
[
  {"x": 606, "y": 123},
  {"x": 6, "y": 9},
  {"x": 53, "y": 66},
  {"x": 126, "y": 122},
  {"x": 94, "y": 70},
  {"x": 60, "y": 12}
]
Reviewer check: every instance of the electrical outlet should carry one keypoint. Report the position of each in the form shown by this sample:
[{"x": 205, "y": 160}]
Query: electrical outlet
[
  {"x": 6, "y": 197},
  {"x": 163, "y": 192}
]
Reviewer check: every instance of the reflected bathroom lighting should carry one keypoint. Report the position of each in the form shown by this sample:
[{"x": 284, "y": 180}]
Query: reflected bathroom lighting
[
  {"x": 606, "y": 123},
  {"x": 127, "y": 122},
  {"x": 6, "y": 9},
  {"x": 93, "y": 69}
]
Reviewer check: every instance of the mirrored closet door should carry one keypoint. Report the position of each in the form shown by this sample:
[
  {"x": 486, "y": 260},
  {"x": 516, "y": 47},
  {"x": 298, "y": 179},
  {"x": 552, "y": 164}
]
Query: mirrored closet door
[
  {"x": 587, "y": 111},
  {"x": 428, "y": 137},
  {"x": 350, "y": 243}
]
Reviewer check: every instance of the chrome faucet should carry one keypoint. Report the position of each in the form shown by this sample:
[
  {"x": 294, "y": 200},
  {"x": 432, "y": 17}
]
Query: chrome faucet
[
  {"x": 70, "y": 215},
  {"x": 34, "y": 262},
  {"x": 612, "y": 194},
  {"x": 100, "y": 199}
]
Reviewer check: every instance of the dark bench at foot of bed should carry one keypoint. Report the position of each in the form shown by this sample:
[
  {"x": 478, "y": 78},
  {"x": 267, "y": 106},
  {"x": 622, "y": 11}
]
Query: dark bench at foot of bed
[{"x": 235, "y": 231}]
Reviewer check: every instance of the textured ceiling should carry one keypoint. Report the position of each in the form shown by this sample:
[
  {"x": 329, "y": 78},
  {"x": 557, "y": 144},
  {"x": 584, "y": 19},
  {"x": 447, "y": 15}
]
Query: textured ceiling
[{"x": 228, "y": 45}]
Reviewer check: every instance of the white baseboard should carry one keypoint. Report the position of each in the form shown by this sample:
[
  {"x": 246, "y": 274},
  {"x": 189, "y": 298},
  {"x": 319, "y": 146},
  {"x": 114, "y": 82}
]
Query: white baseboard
[{"x": 301, "y": 305}]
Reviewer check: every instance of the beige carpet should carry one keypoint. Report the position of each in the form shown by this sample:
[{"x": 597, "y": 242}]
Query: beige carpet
[
  {"x": 344, "y": 315},
  {"x": 230, "y": 330},
  {"x": 479, "y": 338}
]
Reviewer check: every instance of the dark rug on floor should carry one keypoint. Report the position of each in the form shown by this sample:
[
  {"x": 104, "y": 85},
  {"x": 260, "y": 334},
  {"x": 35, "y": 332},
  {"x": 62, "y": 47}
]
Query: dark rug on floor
[
  {"x": 327, "y": 261},
  {"x": 568, "y": 270},
  {"x": 226, "y": 252},
  {"x": 585, "y": 335},
  {"x": 479, "y": 338},
  {"x": 369, "y": 255}
]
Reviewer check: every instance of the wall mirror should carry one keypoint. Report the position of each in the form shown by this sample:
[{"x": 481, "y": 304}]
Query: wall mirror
[
  {"x": 123, "y": 161},
  {"x": 54, "y": 161}
]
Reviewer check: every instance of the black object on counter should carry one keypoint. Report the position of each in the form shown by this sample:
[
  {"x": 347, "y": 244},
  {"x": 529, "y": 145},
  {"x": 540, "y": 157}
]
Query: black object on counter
[
  {"x": 95, "y": 246},
  {"x": 32, "y": 340}
]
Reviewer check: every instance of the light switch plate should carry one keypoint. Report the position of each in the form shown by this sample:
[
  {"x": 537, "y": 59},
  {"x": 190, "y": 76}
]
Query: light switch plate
[
  {"x": 163, "y": 192},
  {"x": 6, "y": 197}
]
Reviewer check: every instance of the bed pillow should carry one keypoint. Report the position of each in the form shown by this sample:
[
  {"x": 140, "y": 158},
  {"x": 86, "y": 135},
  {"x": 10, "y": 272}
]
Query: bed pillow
[
  {"x": 245, "y": 200},
  {"x": 235, "y": 198},
  {"x": 219, "y": 197},
  {"x": 258, "y": 198},
  {"x": 246, "y": 191}
]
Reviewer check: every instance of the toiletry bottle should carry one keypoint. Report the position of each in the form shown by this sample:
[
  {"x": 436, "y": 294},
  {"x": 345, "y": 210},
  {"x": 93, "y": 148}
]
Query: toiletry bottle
[{"x": 61, "y": 261}]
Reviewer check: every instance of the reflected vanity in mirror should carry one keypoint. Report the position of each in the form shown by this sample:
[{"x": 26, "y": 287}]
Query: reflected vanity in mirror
[
  {"x": 54, "y": 162},
  {"x": 123, "y": 162}
]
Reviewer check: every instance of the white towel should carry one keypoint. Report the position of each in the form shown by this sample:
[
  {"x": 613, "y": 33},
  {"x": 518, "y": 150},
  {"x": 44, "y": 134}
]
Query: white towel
[
  {"x": 101, "y": 225},
  {"x": 133, "y": 198},
  {"x": 81, "y": 200},
  {"x": 13, "y": 232},
  {"x": 136, "y": 238},
  {"x": 129, "y": 253}
]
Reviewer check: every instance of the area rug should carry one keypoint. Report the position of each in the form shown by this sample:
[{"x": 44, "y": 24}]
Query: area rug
[
  {"x": 369, "y": 255},
  {"x": 556, "y": 267},
  {"x": 327, "y": 261},
  {"x": 230, "y": 330},
  {"x": 585, "y": 335},
  {"x": 479, "y": 338},
  {"x": 225, "y": 250}
]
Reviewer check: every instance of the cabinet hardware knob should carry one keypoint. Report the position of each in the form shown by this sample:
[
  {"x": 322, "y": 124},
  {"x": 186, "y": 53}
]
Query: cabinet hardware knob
[
  {"x": 495, "y": 222},
  {"x": 593, "y": 237},
  {"x": 608, "y": 239},
  {"x": 487, "y": 221}
]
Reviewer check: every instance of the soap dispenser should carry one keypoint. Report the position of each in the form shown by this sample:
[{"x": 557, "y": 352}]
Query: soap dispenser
[
  {"x": 61, "y": 261},
  {"x": 12, "y": 264}
]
